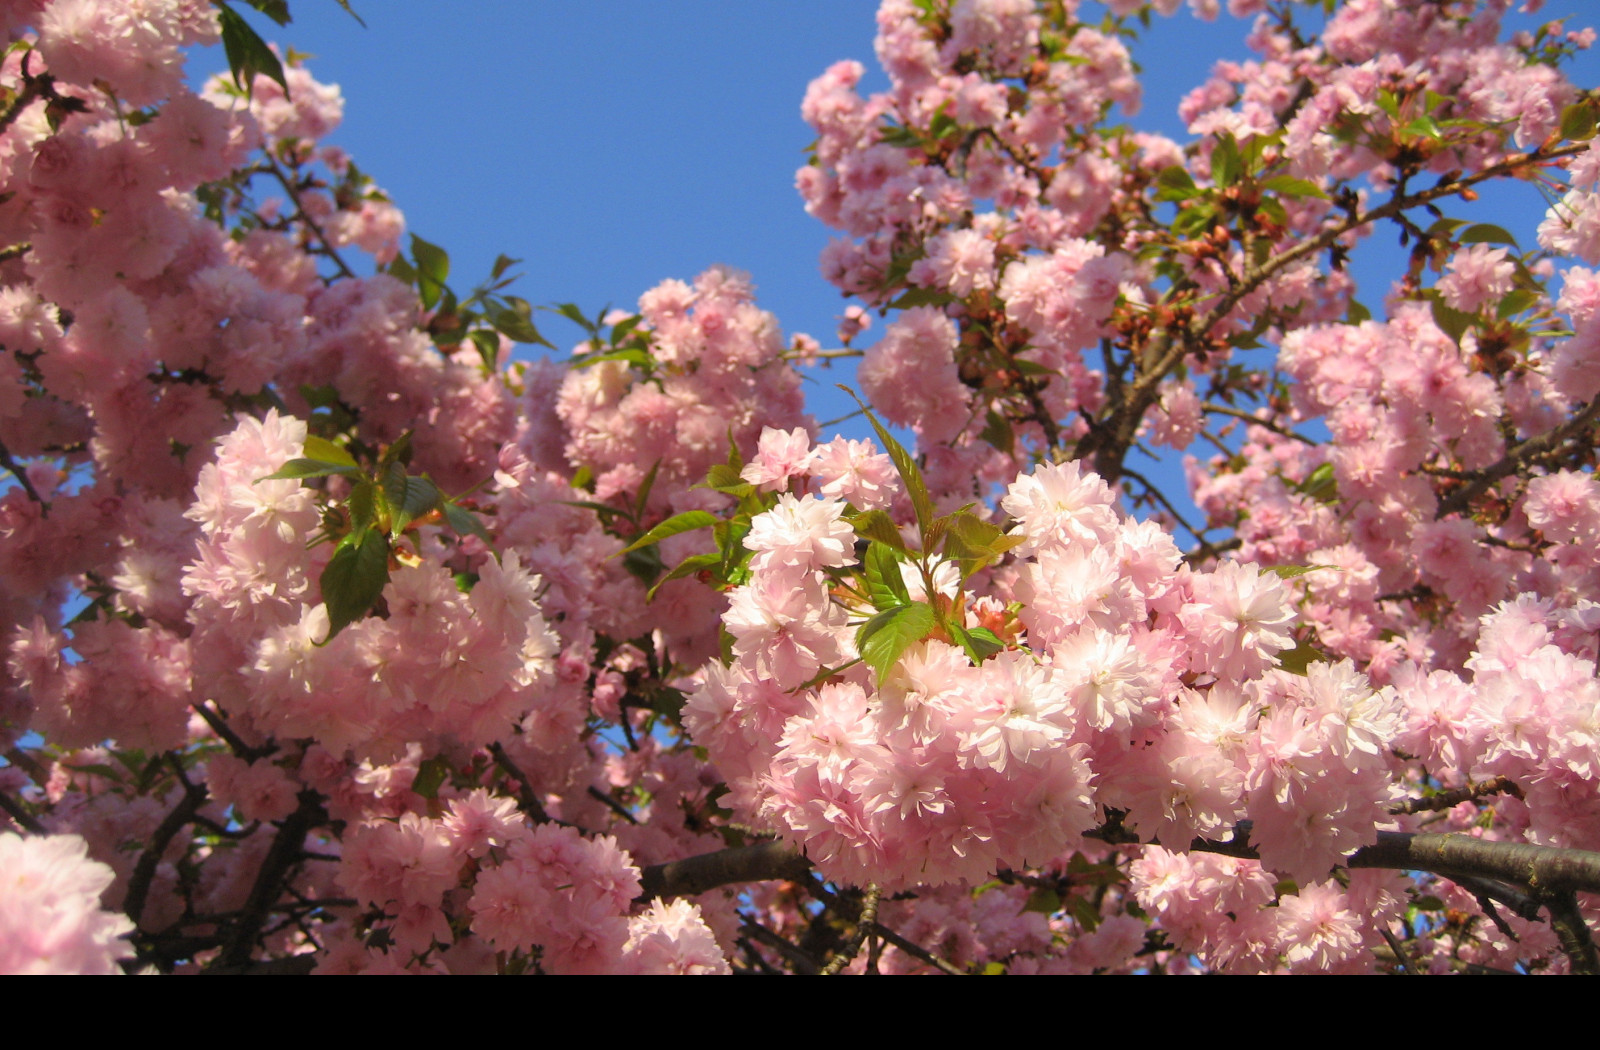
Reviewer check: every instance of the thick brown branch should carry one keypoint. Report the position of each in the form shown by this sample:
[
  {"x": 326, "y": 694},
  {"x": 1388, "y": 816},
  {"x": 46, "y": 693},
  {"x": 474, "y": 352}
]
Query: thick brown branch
[
  {"x": 268, "y": 887},
  {"x": 692, "y": 875},
  {"x": 1542, "y": 869}
]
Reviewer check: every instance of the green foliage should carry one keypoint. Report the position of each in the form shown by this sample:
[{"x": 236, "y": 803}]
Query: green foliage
[
  {"x": 883, "y": 638},
  {"x": 248, "y": 54}
]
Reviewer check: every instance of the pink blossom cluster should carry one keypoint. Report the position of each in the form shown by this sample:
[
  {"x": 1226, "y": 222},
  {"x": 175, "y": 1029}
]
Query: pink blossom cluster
[
  {"x": 1133, "y": 683},
  {"x": 968, "y": 686},
  {"x": 51, "y": 920}
]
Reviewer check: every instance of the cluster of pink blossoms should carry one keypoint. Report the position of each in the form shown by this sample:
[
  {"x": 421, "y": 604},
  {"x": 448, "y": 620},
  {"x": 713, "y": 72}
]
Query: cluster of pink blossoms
[
  {"x": 1002, "y": 728},
  {"x": 1133, "y": 684}
]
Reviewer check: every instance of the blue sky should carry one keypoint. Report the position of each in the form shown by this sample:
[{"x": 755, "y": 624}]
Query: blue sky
[{"x": 612, "y": 145}]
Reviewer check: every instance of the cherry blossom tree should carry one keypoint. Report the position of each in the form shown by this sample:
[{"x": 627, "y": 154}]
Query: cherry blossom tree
[{"x": 343, "y": 636}]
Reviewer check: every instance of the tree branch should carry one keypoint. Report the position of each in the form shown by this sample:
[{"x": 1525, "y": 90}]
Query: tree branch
[
  {"x": 144, "y": 872},
  {"x": 692, "y": 875},
  {"x": 1537, "y": 445},
  {"x": 268, "y": 887}
]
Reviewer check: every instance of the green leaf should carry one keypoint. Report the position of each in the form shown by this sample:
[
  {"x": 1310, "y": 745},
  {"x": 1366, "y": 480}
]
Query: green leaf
[
  {"x": 898, "y": 135},
  {"x": 645, "y": 486},
  {"x": 417, "y": 496},
  {"x": 730, "y": 540},
  {"x": 1195, "y": 220},
  {"x": 688, "y": 521},
  {"x": 1043, "y": 900},
  {"x": 311, "y": 468},
  {"x": 277, "y": 10},
  {"x": 644, "y": 564},
  {"x": 886, "y": 586},
  {"x": 502, "y": 263},
  {"x": 723, "y": 478},
  {"x": 1421, "y": 127},
  {"x": 631, "y": 354},
  {"x": 687, "y": 567},
  {"x": 248, "y": 55},
  {"x": 973, "y": 543},
  {"x": 513, "y": 318},
  {"x": 362, "y": 505},
  {"x": 571, "y": 312},
  {"x": 1289, "y": 572},
  {"x": 431, "y": 775},
  {"x": 1302, "y": 656},
  {"x": 979, "y": 642},
  {"x": 327, "y": 451},
  {"x": 398, "y": 452},
  {"x": 488, "y": 346},
  {"x": 997, "y": 432},
  {"x": 933, "y": 535},
  {"x": 910, "y": 475},
  {"x": 1176, "y": 184},
  {"x": 1578, "y": 121},
  {"x": 1515, "y": 301},
  {"x": 1453, "y": 323},
  {"x": 1487, "y": 233},
  {"x": 878, "y": 525},
  {"x": 464, "y": 522},
  {"x": 1226, "y": 164},
  {"x": 1356, "y": 313},
  {"x": 623, "y": 328},
  {"x": 433, "y": 267},
  {"x": 355, "y": 578},
  {"x": 921, "y": 297},
  {"x": 882, "y": 639},
  {"x": 1320, "y": 484},
  {"x": 1289, "y": 186}
]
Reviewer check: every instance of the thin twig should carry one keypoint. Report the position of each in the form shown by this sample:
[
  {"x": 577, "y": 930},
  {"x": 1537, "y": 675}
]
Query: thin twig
[
  {"x": 916, "y": 951},
  {"x": 219, "y": 726},
  {"x": 1450, "y": 799},
  {"x": 1398, "y": 949},
  {"x": 525, "y": 796},
  {"x": 19, "y": 815},
  {"x": 1282, "y": 431},
  {"x": 305, "y": 216},
  {"x": 1514, "y": 459},
  {"x": 803, "y": 961},
  {"x": 21, "y": 474},
  {"x": 1149, "y": 487},
  {"x": 611, "y": 803}
]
